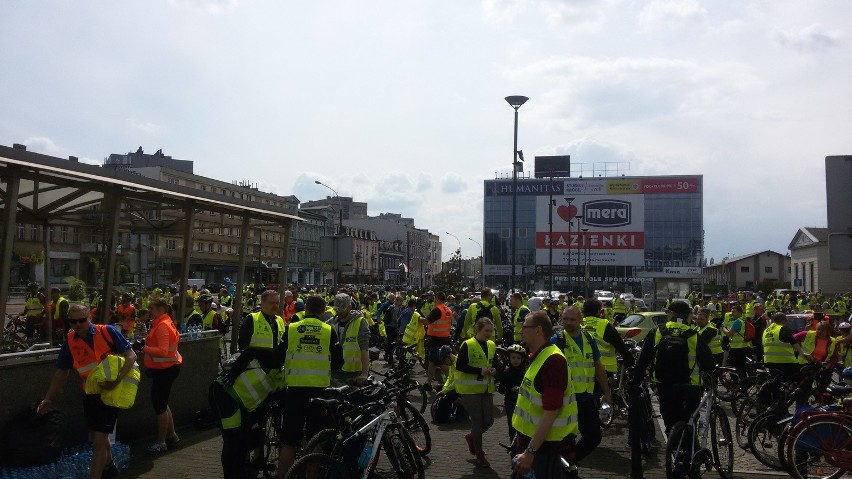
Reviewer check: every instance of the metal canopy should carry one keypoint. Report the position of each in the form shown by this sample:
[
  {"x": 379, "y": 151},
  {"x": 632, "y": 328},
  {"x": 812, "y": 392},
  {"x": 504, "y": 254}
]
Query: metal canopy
[{"x": 55, "y": 191}]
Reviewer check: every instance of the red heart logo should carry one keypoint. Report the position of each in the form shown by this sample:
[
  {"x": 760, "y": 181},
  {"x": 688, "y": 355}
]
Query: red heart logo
[{"x": 567, "y": 213}]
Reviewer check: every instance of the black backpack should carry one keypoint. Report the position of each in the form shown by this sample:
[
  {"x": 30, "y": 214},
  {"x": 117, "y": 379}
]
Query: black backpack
[
  {"x": 671, "y": 360},
  {"x": 484, "y": 311},
  {"x": 31, "y": 439}
]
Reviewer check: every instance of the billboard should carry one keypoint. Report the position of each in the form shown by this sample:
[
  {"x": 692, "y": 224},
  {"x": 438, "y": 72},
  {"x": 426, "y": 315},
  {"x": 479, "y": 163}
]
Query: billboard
[{"x": 605, "y": 229}]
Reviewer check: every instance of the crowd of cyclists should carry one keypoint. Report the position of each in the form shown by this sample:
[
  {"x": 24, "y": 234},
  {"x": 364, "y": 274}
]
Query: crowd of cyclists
[{"x": 559, "y": 362}]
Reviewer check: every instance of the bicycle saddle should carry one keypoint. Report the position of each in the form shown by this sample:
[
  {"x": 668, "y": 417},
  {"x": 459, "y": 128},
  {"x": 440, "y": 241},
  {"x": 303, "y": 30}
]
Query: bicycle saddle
[
  {"x": 338, "y": 392},
  {"x": 839, "y": 391},
  {"x": 327, "y": 403}
]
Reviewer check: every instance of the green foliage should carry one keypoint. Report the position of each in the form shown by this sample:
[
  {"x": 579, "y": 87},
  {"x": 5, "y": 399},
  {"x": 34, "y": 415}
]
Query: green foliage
[
  {"x": 76, "y": 288},
  {"x": 123, "y": 273}
]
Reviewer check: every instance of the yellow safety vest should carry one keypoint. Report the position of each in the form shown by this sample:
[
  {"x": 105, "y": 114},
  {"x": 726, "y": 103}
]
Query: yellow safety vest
[
  {"x": 57, "y": 307},
  {"x": 414, "y": 331},
  {"x": 33, "y": 306},
  {"x": 738, "y": 339},
  {"x": 518, "y": 321},
  {"x": 122, "y": 396},
  {"x": 254, "y": 385},
  {"x": 207, "y": 321},
  {"x": 776, "y": 351},
  {"x": 809, "y": 344},
  {"x": 581, "y": 363},
  {"x": 692, "y": 343},
  {"x": 596, "y": 327},
  {"x": 351, "y": 349},
  {"x": 618, "y": 306},
  {"x": 467, "y": 383},
  {"x": 529, "y": 409},
  {"x": 449, "y": 383},
  {"x": 308, "y": 360},
  {"x": 715, "y": 344},
  {"x": 262, "y": 335}
]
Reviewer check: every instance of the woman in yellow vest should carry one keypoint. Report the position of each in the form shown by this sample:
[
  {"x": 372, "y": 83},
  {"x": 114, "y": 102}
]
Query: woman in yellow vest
[
  {"x": 818, "y": 345},
  {"x": 474, "y": 382}
]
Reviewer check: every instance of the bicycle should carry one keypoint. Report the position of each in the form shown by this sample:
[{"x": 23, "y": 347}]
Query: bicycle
[
  {"x": 819, "y": 446},
  {"x": 687, "y": 452},
  {"x": 569, "y": 468},
  {"x": 352, "y": 449}
]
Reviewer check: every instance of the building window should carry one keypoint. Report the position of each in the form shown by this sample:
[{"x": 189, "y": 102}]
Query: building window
[
  {"x": 171, "y": 244},
  {"x": 220, "y": 249},
  {"x": 209, "y": 247},
  {"x": 35, "y": 233},
  {"x": 767, "y": 269},
  {"x": 505, "y": 232},
  {"x": 63, "y": 234},
  {"x": 173, "y": 181},
  {"x": 203, "y": 187},
  {"x": 744, "y": 269},
  {"x": 21, "y": 233},
  {"x": 200, "y": 247}
]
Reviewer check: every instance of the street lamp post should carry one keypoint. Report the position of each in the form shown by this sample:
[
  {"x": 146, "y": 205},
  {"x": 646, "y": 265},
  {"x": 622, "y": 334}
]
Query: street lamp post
[
  {"x": 336, "y": 269},
  {"x": 460, "y": 261},
  {"x": 515, "y": 102},
  {"x": 588, "y": 260},
  {"x": 481, "y": 263},
  {"x": 570, "y": 221}
]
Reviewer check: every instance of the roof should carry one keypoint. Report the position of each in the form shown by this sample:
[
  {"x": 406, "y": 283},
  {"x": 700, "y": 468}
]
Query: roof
[
  {"x": 746, "y": 256},
  {"x": 808, "y": 236}
]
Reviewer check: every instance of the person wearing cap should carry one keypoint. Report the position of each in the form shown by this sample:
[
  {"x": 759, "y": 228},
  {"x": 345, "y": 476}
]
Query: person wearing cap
[
  {"x": 210, "y": 318},
  {"x": 354, "y": 334},
  {"x": 677, "y": 400}
]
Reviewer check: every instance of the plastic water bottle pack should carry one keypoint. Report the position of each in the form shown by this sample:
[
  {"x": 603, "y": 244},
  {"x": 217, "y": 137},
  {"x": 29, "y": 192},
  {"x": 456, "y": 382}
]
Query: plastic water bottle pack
[{"x": 73, "y": 464}]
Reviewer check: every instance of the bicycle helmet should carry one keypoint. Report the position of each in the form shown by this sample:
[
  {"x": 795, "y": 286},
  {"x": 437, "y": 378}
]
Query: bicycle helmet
[
  {"x": 205, "y": 298},
  {"x": 845, "y": 325},
  {"x": 443, "y": 352},
  {"x": 517, "y": 348}
]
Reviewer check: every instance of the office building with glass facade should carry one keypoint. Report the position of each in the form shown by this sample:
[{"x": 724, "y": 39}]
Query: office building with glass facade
[{"x": 633, "y": 234}]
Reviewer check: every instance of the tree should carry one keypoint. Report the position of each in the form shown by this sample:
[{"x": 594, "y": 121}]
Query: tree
[{"x": 451, "y": 278}]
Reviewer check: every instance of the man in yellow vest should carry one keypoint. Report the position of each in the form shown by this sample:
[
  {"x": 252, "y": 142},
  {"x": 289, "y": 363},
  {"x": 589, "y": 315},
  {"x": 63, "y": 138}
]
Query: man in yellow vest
[
  {"x": 584, "y": 360},
  {"x": 312, "y": 352},
  {"x": 351, "y": 327},
  {"x": 484, "y": 308},
  {"x": 708, "y": 333},
  {"x": 735, "y": 330},
  {"x": 619, "y": 308},
  {"x": 438, "y": 323},
  {"x": 34, "y": 311},
  {"x": 519, "y": 312},
  {"x": 780, "y": 349},
  {"x": 678, "y": 358},
  {"x": 546, "y": 412},
  {"x": 609, "y": 341},
  {"x": 60, "y": 313}
]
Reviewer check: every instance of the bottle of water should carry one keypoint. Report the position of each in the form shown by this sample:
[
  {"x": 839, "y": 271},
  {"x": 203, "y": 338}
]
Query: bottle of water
[
  {"x": 364, "y": 460},
  {"x": 197, "y": 331},
  {"x": 528, "y": 475}
]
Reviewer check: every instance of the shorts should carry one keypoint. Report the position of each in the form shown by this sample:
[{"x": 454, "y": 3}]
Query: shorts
[
  {"x": 433, "y": 344},
  {"x": 161, "y": 386},
  {"x": 301, "y": 418},
  {"x": 99, "y": 416}
]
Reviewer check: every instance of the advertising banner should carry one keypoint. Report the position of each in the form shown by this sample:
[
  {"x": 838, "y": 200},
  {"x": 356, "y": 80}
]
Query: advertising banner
[{"x": 596, "y": 226}]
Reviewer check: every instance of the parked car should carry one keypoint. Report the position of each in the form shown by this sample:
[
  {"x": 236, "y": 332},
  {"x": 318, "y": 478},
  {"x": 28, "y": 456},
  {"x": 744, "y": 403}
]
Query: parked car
[
  {"x": 603, "y": 296},
  {"x": 637, "y": 326}
]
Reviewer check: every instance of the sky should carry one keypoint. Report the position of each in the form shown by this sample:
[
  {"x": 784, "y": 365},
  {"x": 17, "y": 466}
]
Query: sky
[{"x": 401, "y": 104}]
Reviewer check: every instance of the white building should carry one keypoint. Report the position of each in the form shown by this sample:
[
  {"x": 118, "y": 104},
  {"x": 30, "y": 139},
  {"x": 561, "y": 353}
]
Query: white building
[{"x": 811, "y": 270}]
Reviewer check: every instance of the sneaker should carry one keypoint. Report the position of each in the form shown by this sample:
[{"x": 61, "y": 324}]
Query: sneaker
[
  {"x": 469, "y": 439},
  {"x": 158, "y": 448},
  {"x": 174, "y": 439},
  {"x": 481, "y": 461}
]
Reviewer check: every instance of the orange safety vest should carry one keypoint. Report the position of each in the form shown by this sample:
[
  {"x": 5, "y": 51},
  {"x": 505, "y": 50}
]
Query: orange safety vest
[
  {"x": 86, "y": 358},
  {"x": 173, "y": 358},
  {"x": 441, "y": 327},
  {"x": 128, "y": 322},
  {"x": 289, "y": 310}
]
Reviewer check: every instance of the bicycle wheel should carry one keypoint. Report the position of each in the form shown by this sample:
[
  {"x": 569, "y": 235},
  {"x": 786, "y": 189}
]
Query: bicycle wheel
[
  {"x": 403, "y": 456},
  {"x": 749, "y": 409},
  {"x": 763, "y": 435},
  {"x": 679, "y": 451},
  {"x": 316, "y": 466},
  {"x": 416, "y": 425},
  {"x": 272, "y": 425},
  {"x": 323, "y": 442},
  {"x": 418, "y": 396},
  {"x": 782, "y": 442},
  {"x": 650, "y": 425},
  {"x": 819, "y": 447},
  {"x": 722, "y": 444}
]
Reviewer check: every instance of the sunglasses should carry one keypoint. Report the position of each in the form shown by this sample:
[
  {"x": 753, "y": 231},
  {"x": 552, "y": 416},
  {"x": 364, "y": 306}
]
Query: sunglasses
[{"x": 76, "y": 321}]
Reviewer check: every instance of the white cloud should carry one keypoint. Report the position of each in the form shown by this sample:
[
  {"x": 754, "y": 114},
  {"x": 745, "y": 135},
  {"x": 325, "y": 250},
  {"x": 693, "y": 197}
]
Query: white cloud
[
  {"x": 453, "y": 183},
  {"x": 145, "y": 126},
  {"x": 42, "y": 144},
  {"x": 210, "y": 6},
  {"x": 665, "y": 13},
  {"x": 424, "y": 181},
  {"x": 810, "y": 38}
]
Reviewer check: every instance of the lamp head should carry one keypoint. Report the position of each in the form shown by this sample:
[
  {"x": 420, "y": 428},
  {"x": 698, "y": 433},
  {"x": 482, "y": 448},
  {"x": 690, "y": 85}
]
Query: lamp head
[
  {"x": 516, "y": 101},
  {"x": 318, "y": 182}
]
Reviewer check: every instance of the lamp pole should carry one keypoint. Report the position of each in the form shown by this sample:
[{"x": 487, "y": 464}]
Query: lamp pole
[
  {"x": 481, "y": 263},
  {"x": 570, "y": 221},
  {"x": 588, "y": 260},
  {"x": 339, "y": 229},
  {"x": 460, "y": 261},
  {"x": 515, "y": 102}
]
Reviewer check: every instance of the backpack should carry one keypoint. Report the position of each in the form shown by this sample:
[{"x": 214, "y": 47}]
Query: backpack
[
  {"x": 750, "y": 331},
  {"x": 30, "y": 439},
  {"x": 671, "y": 360},
  {"x": 483, "y": 311},
  {"x": 444, "y": 410}
]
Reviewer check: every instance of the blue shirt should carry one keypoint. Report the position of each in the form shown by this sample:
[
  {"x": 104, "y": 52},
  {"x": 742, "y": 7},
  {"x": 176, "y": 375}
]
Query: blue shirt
[
  {"x": 119, "y": 345},
  {"x": 404, "y": 319}
]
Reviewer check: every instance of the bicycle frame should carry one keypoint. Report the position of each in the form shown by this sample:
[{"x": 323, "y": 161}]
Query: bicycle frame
[{"x": 380, "y": 424}]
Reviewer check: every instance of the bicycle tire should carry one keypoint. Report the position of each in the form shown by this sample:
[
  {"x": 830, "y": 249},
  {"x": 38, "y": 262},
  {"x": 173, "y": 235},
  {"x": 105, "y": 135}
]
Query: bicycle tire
[
  {"x": 749, "y": 409},
  {"x": 271, "y": 443},
  {"x": 678, "y": 454},
  {"x": 322, "y": 442},
  {"x": 418, "y": 396},
  {"x": 782, "y": 451},
  {"x": 650, "y": 425},
  {"x": 403, "y": 456},
  {"x": 763, "y": 435},
  {"x": 317, "y": 466},
  {"x": 807, "y": 446},
  {"x": 722, "y": 442},
  {"x": 416, "y": 426}
]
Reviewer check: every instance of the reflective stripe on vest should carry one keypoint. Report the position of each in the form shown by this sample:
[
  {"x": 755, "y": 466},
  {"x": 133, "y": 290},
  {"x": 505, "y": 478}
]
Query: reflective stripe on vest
[
  {"x": 596, "y": 327},
  {"x": 809, "y": 345},
  {"x": 518, "y": 321},
  {"x": 262, "y": 335},
  {"x": 692, "y": 343},
  {"x": 174, "y": 357},
  {"x": 409, "y": 336},
  {"x": 581, "y": 362},
  {"x": 738, "y": 339},
  {"x": 774, "y": 350},
  {"x": 57, "y": 307},
  {"x": 441, "y": 327},
  {"x": 467, "y": 383},
  {"x": 529, "y": 410},
  {"x": 308, "y": 360},
  {"x": 253, "y": 386},
  {"x": 85, "y": 358},
  {"x": 351, "y": 349},
  {"x": 715, "y": 344},
  {"x": 33, "y": 306}
]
